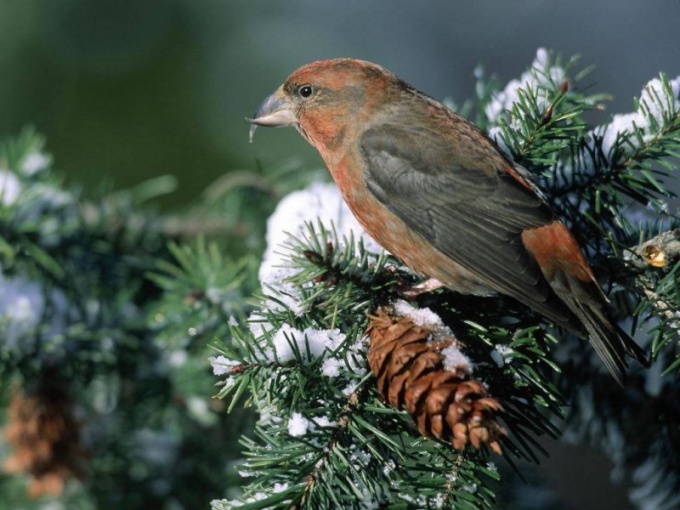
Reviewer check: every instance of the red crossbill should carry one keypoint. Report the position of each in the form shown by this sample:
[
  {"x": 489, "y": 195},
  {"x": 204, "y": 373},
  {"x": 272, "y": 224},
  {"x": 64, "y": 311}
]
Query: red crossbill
[{"x": 436, "y": 192}]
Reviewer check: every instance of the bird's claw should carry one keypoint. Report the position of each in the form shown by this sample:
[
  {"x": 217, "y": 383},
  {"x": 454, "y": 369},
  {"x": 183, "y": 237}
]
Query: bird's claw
[{"x": 428, "y": 285}]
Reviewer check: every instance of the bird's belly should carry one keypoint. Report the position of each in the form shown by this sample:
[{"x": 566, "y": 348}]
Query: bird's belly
[{"x": 414, "y": 250}]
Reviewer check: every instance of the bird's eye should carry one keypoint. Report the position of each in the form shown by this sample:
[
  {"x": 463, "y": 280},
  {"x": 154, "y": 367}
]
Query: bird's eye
[{"x": 305, "y": 91}]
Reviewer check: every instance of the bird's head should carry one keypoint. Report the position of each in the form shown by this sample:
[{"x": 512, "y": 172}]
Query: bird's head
[{"x": 324, "y": 98}]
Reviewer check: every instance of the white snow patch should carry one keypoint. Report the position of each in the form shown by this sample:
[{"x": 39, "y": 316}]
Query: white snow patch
[
  {"x": 656, "y": 102},
  {"x": 177, "y": 358},
  {"x": 10, "y": 187},
  {"x": 362, "y": 457},
  {"x": 653, "y": 100},
  {"x": 423, "y": 317},
  {"x": 389, "y": 467},
  {"x": 323, "y": 421},
  {"x": 350, "y": 388},
  {"x": 455, "y": 360},
  {"x": 34, "y": 162},
  {"x": 319, "y": 201},
  {"x": 538, "y": 78},
  {"x": 297, "y": 425},
  {"x": 311, "y": 343},
  {"x": 222, "y": 365},
  {"x": 22, "y": 305},
  {"x": 279, "y": 487},
  {"x": 331, "y": 367},
  {"x": 501, "y": 354}
]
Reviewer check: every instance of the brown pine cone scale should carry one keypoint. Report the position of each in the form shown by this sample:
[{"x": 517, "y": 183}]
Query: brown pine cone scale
[{"x": 413, "y": 373}]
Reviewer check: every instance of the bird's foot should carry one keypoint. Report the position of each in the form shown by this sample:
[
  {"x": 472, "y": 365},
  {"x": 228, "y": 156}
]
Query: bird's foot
[{"x": 423, "y": 287}]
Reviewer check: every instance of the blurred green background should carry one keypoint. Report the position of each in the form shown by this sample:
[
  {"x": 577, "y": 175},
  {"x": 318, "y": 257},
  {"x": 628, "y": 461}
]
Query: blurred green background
[{"x": 126, "y": 90}]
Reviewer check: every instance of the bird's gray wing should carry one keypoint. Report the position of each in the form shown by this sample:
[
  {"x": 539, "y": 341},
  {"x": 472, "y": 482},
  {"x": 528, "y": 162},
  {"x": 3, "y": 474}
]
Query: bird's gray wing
[{"x": 469, "y": 210}]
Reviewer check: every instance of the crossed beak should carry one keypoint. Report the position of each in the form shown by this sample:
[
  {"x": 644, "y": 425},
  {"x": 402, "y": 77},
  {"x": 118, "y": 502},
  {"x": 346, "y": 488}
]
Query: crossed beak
[{"x": 277, "y": 110}]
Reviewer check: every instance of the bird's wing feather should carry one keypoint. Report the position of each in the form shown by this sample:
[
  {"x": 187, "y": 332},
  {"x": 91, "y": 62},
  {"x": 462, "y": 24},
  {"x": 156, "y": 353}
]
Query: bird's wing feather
[{"x": 475, "y": 215}]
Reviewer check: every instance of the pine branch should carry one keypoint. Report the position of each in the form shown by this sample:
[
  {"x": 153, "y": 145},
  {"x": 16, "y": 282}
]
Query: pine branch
[
  {"x": 75, "y": 299},
  {"x": 280, "y": 362},
  {"x": 660, "y": 251}
]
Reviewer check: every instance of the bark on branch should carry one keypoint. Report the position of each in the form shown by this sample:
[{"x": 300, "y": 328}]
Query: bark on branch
[{"x": 660, "y": 251}]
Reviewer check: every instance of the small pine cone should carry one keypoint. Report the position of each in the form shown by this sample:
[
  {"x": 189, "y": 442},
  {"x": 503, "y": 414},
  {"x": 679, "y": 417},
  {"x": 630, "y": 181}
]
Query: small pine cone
[
  {"x": 421, "y": 369},
  {"x": 45, "y": 437}
]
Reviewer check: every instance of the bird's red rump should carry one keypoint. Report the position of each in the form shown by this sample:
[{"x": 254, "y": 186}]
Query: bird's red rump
[{"x": 555, "y": 249}]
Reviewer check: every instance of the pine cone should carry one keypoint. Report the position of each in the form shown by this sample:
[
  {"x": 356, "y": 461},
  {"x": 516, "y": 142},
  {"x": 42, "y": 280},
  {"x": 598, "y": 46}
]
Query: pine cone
[
  {"x": 45, "y": 437},
  {"x": 421, "y": 369}
]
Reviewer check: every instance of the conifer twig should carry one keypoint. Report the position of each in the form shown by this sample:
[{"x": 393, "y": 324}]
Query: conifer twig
[{"x": 659, "y": 251}]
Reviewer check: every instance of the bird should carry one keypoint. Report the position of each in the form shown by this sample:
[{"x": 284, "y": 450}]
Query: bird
[{"x": 435, "y": 191}]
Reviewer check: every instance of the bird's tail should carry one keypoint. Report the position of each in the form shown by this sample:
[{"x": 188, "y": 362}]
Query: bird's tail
[{"x": 610, "y": 342}]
